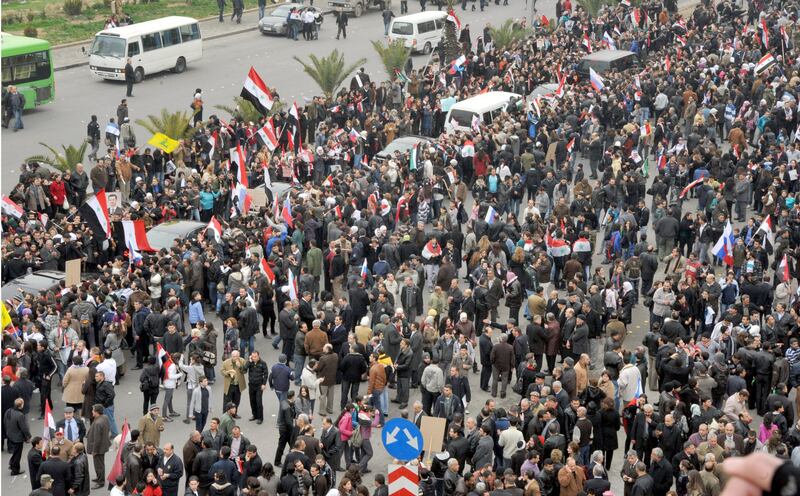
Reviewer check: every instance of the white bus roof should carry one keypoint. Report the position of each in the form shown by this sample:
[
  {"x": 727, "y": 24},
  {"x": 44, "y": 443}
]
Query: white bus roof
[
  {"x": 148, "y": 26},
  {"x": 485, "y": 101},
  {"x": 421, "y": 16}
]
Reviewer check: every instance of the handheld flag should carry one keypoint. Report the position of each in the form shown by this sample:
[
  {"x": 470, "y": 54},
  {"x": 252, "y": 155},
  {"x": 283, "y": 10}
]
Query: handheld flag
[
  {"x": 765, "y": 63},
  {"x": 163, "y": 142},
  {"x": 364, "y": 269},
  {"x": 116, "y": 469},
  {"x": 783, "y": 269},
  {"x": 689, "y": 187},
  {"x": 256, "y": 92},
  {"x": 723, "y": 249},
  {"x": 239, "y": 164},
  {"x": 596, "y": 80},
  {"x": 267, "y": 136},
  {"x": 95, "y": 213},
  {"x": 491, "y": 215},
  {"x": 216, "y": 229},
  {"x": 264, "y": 267},
  {"x": 11, "y": 208},
  {"x": 292, "y": 285},
  {"x": 286, "y": 212}
]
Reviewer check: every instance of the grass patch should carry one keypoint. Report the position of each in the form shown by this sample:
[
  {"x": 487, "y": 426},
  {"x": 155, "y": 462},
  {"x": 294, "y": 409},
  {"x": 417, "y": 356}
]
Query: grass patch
[{"x": 53, "y": 25}]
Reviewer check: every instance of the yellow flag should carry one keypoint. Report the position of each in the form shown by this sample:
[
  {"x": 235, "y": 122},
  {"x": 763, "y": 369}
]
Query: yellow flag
[
  {"x": 6, "y": 318},
  {"x": 163, "y": 142}
]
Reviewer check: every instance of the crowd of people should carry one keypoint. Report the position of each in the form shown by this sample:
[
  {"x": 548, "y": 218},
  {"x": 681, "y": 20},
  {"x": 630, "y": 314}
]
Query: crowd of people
[{"x": 471, "y": 259}]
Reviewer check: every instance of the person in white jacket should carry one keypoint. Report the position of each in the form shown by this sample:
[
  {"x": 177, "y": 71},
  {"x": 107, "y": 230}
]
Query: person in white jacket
[
  {"x": 172, "y": 377},
  {"x": 193, "y": 372},
  {"x": 629, "y": 382}
]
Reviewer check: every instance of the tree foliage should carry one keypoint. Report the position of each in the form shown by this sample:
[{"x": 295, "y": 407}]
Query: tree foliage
[
  {"x": 593, "y": 7},
  {"x": 394, "y": 56},
  {"x": 507, "y": 34},
  {"x": 64, "y": 160},
  {"x": 328, "y": 72},
  {"x": 176, "y": 125}
]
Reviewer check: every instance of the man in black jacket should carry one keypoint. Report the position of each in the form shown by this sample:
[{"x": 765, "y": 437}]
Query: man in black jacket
[
  {"x": 458, "y": 446},
  {"x": 403, "y": 367},
  {"x": 202, "y": 465},
  {"x": 331, "y": 449},
  {"x": 17, "y": 432},
  {"x": 286, "y": 415},
  {"x": 35, "y": 461},
  {"x": 257, "y": 377},
  {"x": 170, "y": 471},
  {"x": 59, "y": 470},
  {"x": 353, "y": 367},
  {"x": 485, "y": 344},
  {"x": 661, "y": 471}
]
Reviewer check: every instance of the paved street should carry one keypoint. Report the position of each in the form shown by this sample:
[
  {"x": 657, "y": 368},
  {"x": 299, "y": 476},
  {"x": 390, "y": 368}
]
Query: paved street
[{"x": 220, "y": 74}]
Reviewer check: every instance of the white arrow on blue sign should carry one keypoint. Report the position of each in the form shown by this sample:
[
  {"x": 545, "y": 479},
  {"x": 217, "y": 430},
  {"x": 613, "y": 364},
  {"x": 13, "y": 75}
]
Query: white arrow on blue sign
[{"x": 402, "y": 439}]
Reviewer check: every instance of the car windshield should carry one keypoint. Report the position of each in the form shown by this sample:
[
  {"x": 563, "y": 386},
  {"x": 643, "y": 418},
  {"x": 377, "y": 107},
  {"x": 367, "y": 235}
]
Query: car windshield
[
  {"x": 281, "y": 11},
  {"x": 108, "y": 46},
  {"x": 401, "y": 145},
  {"x": 462, "y": 117},
  {"x": 405, "y": 28}
]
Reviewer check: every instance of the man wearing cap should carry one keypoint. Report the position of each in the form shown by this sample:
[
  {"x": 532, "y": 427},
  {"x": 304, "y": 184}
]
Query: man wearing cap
[
  {"x": 74, "y": 429},
  {"x": 44, "y": 486},
  {"x": 98, "y": 444},
  {"x": 151, "y": 425}
]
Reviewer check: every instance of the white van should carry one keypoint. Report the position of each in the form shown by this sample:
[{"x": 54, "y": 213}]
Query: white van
[
  {"x": 153, "y": 46},
  {"x": 421, "y": 32},
  {"x": 485, "y": 105}
]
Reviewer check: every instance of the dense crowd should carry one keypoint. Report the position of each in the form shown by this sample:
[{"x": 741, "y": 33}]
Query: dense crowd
[{"x": 473, "y": 253}]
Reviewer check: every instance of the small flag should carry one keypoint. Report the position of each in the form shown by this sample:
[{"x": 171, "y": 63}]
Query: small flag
[
  {"x": 239, "y": 164},
  {"x": 286, "y": 212},
  {"x": 596, "y": 80},
  {"x": 413, "y": 158},
  {"x": 116, "y": 469},
  {"x": 364, "y": 270},
  {"x": 265, "y": 269},
  {"x": 491, "y": 215},
  {"x": 292, "y": 285},
  {"x": 11, "y": 208},
  {"x": 452, "y": 17},
  {"x": 764, "y": 33},
  {"x": 667, "y": 63},
  {"x": 783, "y": 268},
  {"x": 723, "y": 249},
  {"x": 608, "y": 39},
  {"x": 765, "y": 63},
  {"x": 689, "y": 187},
  {"x": 587, "y": 43},
  {"x": 163, "y": 359},
  {"x": 216, "y": 229},
  {"x": 646, "y": 166},
  {"x": 267, "y": 136}
]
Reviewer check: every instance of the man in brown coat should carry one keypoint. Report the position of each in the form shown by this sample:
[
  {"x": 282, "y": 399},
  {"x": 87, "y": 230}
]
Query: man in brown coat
[
  {"x": 151, "y": 425},
  {"x": 502, "y": 358},
  {"x": 571, "y": 478},
  {"x": 327, "y": 366},
  {"x": 315, "y": 341},
  {"x": 98, "y": 443},
  {"x": 737, "y": 138}
]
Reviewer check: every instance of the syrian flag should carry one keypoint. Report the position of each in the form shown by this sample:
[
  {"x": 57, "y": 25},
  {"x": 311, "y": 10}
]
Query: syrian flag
[
  {"x": 582, "y": 245},
  {"x": 364, "y": 269},
  {"x": 286, "y": 212},
  {"x": 328, "y": 182},
  {"x": 116, "y": 468},
  {"x": 256, "y": 92},
  {"x": 132, "y": 233},
  {"x": 764, "y": 33},
  {"x": 785, "y": 36},
  {"x": 723, "y": 249},
  {"x": 216, "y": 229},
  {"x": 338, "y": 211},
  {"x": 292, "y": 285},
  {"x": 49, "y": 426},
  {"x": 561, "y": 83},
  {"x": 667, "y": 63},
  {"x": 556, "y": 247},
  {"x": 662, "y": 161},
  {"x": 681, "y": 39},
  {"x": 491, "y": 215},
  {"x": 587, "y": 43},
  {"x": 647, "y": 130},
  {"x": 783, "y": 269},
  {"x": 295, "y": 115},
  {"x": 571, "y": 145},
  {"x": 769, "y": 236},
  {"x": 430, "y": 251},
  {"x": 95, "y": 213},
  {"x": 689, "y": 187},
  {"x": 213, "y": 142},
  {"x": 636, "y": 17},
  {"x": 537, "y": 107},
  {"x": 239, "y": 164},
  {"x": 265, "y": 269},
  {"x": 267, "y": 136},
  {"x": 402, "y": 206},
  {"x": 44, "y": 219},
  {"x": 596, "y": 80},
  {"x": 765, "y": 63},
  {"x": 452, "y": 17},
  {"x": 679, "y": 24},
  {"x": 163, "y": 360},
  {"x": 413, "y": 159},
  {"x": 11, "y": 208},
  {"x": 468, "y": 150}
]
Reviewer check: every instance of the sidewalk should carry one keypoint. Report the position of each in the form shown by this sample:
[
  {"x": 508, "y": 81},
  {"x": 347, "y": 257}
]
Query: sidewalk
[{"x": 77, "y": 54}]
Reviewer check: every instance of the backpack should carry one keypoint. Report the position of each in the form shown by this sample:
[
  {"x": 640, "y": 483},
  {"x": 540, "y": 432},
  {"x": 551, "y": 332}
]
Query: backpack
[
  {"x": 634, "y": 270},
  {"x": 356, "y": 438}
]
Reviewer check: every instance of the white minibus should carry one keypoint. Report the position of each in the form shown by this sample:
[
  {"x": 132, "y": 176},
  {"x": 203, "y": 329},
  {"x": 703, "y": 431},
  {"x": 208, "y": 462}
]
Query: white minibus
[
  {"x": 153, "y": 46},
  {"x": 421, "y": 32},
  {"x": 486, "y": 106}
]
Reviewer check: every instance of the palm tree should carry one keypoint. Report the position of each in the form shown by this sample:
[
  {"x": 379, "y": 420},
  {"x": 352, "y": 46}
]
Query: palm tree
[
  {"x": 452, "y": 48},
  {"x": 507, "y": 34},
  {"x": 329, "y": 72},
  {"x": 393, "y": 55},
  {"x": 592, "y": 7},
  {"x": 245, "y": 111},
  {"x": 176, "y": 125},
  {"x": 63, "y": 161}
]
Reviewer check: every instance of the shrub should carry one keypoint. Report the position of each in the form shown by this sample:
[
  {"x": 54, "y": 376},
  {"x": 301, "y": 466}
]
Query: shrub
[
  {"x": 73, "y": 7},
  {"x": 43, "y": 14},
  {"x": 31, "y": 32},
  {"x": 31, "y": 15}
]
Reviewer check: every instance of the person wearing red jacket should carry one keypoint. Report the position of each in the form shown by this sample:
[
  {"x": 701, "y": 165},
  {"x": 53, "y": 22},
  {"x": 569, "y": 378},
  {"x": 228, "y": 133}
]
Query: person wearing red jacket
[{"x": 58, "y": 193}]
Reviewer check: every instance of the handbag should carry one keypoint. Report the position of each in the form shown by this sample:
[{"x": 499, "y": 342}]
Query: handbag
[{"x": 209, "y": 358}]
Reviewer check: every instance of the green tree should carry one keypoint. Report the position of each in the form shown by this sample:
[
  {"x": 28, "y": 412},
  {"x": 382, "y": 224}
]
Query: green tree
[
  {"x": 507, "y": 34},
  {"x": 245, "y": 111},
  {"x": 393, "y": 55},
  {"x": 328, "y": 72},
  {"x": 593, "y": 7},
  {"x": 64, "y": 160},
  {"x": 452, "y": 48},
  {"x": 176, "y": 125}
]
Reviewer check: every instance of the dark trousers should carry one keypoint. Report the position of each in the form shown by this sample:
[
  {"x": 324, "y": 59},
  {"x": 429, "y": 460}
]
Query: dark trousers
[
  {"x": 268, "y": 319},
  {"x": 44, "y": 391},
  {"x": 129, "y": 87},
  {"x": 257, "y": 401},
  {"x": 149, "y": 398},
  {"x": 486, "y": 374},
  {"x": 284, "y": 437},
  {"x": 428, "y": 399},
  {"x": 762, "y": 391},
  {"x": 349, "y": 392},
  {"x": 234, "y": 395},
  {"x": 16, "y": 455},
  {"x": 402, "y": 391},
  {"x": 142, "y": 351},
  {"x": 341, "y": 31},
  {"x": 99, "y": 460},
  {"x": 200, "y": 421}
]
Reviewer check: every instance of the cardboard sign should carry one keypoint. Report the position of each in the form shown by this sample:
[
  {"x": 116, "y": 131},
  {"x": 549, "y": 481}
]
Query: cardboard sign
[
  {"x": 73, "y": 270},
  {"x": 432, "y": 435},
  {"x": 258, "y": 197}
]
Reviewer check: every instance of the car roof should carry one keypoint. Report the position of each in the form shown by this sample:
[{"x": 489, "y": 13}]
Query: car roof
[
  {"x": 421, "y": 16},
  {"x": 148, "y": 26},
  {"x": 485, "y": 101},
  {"x": 174, "y": 228},
  {"x": 607, "y": 55},
  {"x": 33, "y": 283}
]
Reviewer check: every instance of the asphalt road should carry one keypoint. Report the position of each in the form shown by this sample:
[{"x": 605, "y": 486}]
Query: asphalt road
[{"x": 220, "y": 74}]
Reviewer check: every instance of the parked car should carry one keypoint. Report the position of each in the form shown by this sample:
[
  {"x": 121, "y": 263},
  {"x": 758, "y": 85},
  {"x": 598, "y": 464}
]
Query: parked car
[
  {"x": 402, "y": 145},
  {"x": 164, "y": 235},
  {"x": 604, "y": 60},
  {"x": 275, "y": 21},
  {"x": 35, "y": 283}
]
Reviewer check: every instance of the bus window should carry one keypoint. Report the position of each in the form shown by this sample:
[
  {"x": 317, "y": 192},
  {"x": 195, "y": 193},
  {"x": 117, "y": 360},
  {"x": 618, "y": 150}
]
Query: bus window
[
  {"x": 108, "y": 46},
  {"x": 133, "y": 49},
  {"x": 425, "y": 27},
  {"x": 170, "y": 37},
  {"x": 190, "y": 32},
  {"x": 151, "y": 41},
  {"x": 26, "y": 68}
]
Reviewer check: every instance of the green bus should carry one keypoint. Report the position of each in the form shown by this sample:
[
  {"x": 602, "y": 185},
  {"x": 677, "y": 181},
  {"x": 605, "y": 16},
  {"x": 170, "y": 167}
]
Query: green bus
[{"x": 28, "y": 65}]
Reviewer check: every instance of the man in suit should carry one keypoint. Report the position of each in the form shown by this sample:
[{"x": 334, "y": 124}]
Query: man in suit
[
  {"x": 18, "y": 432},
  {"x": 644, "y": 482},
  {"x": 418, "y": 413},
  {"x": 597, "y": 483},
  {"x": 35, "y": 461},
  {"x": 74, "y": 429},
  {"x": 59, "y": 470},
  {"x": 730, "y": 438},
  {"x": 98, "y": 444},
  {"x": 170, "y": 471},
  {"x": 331, "y": 449}
]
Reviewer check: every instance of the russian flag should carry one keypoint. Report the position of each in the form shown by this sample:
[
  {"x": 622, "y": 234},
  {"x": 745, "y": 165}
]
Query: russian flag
[
  {"x": 596, "y": 80},
  {"x": 723, "y": 249},
  {"x": 364, "y": 269},
  {"x": 243, "y": 199},
  {"x": 354, "y": 135},
  {"x": 292, "y": 286},
  {"x": 662, "y": 161},
  {"x": 608, "y": 39},
  {"x": 286, "y": 212},
  {"x": 457, "y": 65},
  {"x": 491, "y": 215}
]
